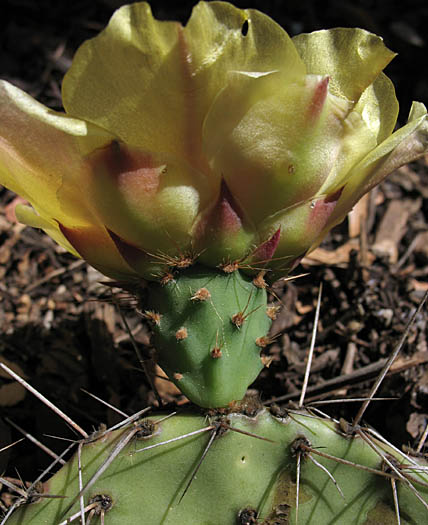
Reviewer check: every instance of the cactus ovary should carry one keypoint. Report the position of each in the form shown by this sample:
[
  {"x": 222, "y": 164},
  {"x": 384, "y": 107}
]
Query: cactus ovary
[{"x": 209, "y": 322}]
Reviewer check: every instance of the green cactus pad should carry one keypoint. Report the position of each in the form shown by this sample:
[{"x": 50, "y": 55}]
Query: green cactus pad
[
  {"x": 241, "y": 475},
  {"x": 209, "y": 327}
]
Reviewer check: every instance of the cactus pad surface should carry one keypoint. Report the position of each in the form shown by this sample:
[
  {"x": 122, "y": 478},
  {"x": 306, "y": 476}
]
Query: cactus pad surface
[{"x": 241, "y": 480}]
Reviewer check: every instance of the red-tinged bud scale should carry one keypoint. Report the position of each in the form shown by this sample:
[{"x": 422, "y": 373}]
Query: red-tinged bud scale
[{"x": 317, "y": 102}]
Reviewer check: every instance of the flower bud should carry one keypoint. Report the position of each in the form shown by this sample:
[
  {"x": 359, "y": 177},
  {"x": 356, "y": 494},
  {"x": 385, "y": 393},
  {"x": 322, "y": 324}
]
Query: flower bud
[{"x": 205, "y": 142}]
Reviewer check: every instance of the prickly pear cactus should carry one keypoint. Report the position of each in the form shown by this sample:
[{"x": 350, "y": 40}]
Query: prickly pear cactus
[
  {"x": 253, "y": 146},
  {"x": 249, "y": 475},
  {"x": 209, "y": 328}
]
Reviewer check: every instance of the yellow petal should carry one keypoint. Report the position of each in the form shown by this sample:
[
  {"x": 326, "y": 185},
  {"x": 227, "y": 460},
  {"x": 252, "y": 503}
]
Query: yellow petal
[
  {"x": 92, "y": 243},
  {"x": 28, "y": 216},
  {"x": 42, "y": 153},
  {"x": 299, "y": 227},
  {"x": 378, "y": 107},
  {"x": 405, "y": 145},
  {"x": 150, "y": 201},
  {"x": 371, "y": 121},
  {"x": 217, "y": 45},
  {"x": 245, "y": 89},
  {"x": 358, "y": 139},
  {"x": 353, "y": 58},
  {"x": 277, "y": 142},
  {"x": 152, "y": 82},
  {"x": 95, "y": 245}
]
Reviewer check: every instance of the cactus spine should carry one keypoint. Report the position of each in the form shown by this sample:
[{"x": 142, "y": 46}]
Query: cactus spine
[
  {"x": 242, "y": 480},
  {"x": 239, "y": 465}
]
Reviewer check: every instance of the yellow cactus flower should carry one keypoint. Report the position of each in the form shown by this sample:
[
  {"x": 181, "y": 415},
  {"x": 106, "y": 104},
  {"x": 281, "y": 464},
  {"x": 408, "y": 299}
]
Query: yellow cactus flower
[{"x": 223, "y": 140}]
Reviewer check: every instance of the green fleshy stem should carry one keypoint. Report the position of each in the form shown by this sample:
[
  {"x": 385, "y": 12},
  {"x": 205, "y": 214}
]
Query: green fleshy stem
[
  {"x": 240, "y": 474},
  {"x": 209, "y": 329}
]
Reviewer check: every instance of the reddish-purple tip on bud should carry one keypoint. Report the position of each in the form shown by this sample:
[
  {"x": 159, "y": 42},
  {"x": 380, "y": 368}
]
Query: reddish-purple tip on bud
[
  {"x": 266, "y": 251},
  {"x": 318, "y": 100}
]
